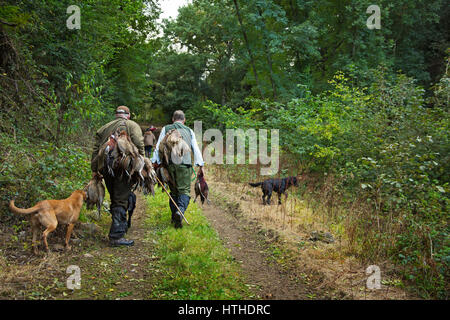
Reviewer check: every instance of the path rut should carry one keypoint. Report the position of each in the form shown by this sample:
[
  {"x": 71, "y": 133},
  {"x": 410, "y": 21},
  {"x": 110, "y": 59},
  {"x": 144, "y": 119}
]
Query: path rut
[{"x": 267, "y": 279}]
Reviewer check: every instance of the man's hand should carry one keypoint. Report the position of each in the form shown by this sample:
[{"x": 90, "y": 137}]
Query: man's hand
[
  {"x": 97, "y": 175},
  {"x": 200, "y": 170}
]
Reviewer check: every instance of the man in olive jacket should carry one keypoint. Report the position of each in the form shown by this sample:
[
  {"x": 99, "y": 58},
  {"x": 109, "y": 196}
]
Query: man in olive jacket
[{"x": 118, "y": 187}]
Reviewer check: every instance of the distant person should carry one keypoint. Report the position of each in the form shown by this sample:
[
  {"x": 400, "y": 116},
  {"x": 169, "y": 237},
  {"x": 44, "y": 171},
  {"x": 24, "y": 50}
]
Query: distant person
[{"x": 149, "y": 141}]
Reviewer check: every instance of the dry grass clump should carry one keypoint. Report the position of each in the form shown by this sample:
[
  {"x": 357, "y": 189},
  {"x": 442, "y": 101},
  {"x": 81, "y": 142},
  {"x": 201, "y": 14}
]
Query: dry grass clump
[{"x": 338, "y": 264}]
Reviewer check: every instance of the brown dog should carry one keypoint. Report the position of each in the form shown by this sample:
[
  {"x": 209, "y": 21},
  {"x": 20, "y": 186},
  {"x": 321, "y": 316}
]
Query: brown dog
[{"x": 51, "y": 212}]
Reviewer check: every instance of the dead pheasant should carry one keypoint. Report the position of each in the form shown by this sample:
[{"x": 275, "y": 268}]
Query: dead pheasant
[
  {"x": 172, "y": 146},
  {"x": 95, "y": 191},
  {"x": 121, "y": 156}
]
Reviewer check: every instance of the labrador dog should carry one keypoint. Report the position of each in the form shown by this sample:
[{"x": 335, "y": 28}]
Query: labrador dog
[
  {"x": 280, "y": 186},
  {"x": 51, "y": 212}
]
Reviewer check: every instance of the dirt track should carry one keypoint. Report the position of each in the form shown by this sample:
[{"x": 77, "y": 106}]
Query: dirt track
[{"x": 268, "y": 279}]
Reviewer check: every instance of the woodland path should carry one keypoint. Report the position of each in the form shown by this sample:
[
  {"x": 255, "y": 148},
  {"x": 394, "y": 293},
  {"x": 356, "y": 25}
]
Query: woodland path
[{"x": 269, "y": 280}]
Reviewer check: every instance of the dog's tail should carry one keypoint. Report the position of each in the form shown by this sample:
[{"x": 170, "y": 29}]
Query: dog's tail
[
  {"x": 14, "y": 209},
  {"x": 255, "y": 184}
]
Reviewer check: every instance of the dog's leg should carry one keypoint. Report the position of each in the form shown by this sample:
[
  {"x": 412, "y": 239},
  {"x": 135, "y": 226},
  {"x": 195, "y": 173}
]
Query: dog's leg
[
  {"x": 269, "y": 195},
  {"x": 129, "y": 220},
  {"x": 279, "y": 198},
  {"x": 48, "y": 220},
  {"x": 35, "y": 229},
  {"x": 46, "y": 232},
  {"x": 68, "y": 233},
  {"x": 131, "y": 207}
]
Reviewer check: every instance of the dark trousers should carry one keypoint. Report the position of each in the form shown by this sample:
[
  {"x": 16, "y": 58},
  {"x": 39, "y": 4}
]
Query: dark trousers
[
  {"x": 119, "y": 191},
  {"x": 182, "y": 201},
  {"x": 148, "y": 151}
]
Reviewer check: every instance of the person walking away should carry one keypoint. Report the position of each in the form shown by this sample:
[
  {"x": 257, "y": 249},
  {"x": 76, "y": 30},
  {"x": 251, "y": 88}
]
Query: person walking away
[
  {"x": 149, "y": 141},
  {"x": 180, "y": 173},
  {"x": 118, "y": 186}
]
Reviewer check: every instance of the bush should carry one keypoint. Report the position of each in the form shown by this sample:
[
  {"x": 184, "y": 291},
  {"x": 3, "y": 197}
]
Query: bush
[
  {"x": 385, "y": 148},
  {"x": 34, "y": 171}
]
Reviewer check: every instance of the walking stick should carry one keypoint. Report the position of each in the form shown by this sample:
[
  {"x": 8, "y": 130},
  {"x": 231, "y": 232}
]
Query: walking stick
[{"x": 173, "y": 201}]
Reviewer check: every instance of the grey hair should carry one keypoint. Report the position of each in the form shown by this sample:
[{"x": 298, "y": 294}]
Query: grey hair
[{"x": 178, "y": 116}]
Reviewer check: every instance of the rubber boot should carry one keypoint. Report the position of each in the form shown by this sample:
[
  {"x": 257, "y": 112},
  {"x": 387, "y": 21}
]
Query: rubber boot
[
  {"x": 119, "y": 228},
  {"x": 182, "y": 202},
  {"x": 173, "y": 208}
]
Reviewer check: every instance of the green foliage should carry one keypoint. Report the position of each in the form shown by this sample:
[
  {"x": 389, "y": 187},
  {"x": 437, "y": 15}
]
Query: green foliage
[
  {"x": 64, "y": 82},
  {"x": 276, "y": 45},
  {"x": 239, "y": 119},
  {"x": 382, "y": 145},
  {"x": 176, "y": 82},
  {"x": 31, "y": 172}
]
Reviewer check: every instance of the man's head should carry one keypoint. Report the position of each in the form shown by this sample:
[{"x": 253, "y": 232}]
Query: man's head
[
  {"x": 123, "y": 112},
  {"x": 178, "y": 116}
]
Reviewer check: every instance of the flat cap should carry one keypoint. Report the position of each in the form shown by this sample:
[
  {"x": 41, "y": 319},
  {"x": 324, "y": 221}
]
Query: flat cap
[{"x": 122, "y": 109}]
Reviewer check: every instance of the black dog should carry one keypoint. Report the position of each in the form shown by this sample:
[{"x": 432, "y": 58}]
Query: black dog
[
  {"x": 280, "y": 186},
  {"x": 131, "y": 207}
]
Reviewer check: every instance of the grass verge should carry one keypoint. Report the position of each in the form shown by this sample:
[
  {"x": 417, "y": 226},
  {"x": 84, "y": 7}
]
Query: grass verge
[{"x": 194, "y": 263}]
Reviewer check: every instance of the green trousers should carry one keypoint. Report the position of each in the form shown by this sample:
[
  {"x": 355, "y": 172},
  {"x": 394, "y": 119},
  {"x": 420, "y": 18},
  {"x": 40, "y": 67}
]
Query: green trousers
[{"x": 181, "y": 175}]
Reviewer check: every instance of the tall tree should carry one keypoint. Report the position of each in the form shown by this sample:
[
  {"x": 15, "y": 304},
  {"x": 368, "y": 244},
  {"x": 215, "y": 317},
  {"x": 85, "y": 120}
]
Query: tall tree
[{"x": 247, "y": 45}]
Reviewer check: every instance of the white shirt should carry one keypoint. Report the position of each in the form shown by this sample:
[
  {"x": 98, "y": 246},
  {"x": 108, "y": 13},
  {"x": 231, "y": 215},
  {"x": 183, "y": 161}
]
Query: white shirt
[{"x": 198, "y": 158}]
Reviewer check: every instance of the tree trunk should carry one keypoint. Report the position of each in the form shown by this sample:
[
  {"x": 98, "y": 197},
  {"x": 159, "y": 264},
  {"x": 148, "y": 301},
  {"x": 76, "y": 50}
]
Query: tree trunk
[
  {"x": 269, "y": 57},
  {"x": 252, "y": 60}
]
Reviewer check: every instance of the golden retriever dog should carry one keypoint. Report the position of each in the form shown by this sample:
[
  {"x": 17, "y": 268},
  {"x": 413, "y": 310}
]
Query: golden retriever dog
[{"x": 51, "y": 212}]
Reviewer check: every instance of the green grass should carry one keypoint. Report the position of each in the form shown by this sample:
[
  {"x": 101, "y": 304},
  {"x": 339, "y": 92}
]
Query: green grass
[{"x": 194, "y": 263}]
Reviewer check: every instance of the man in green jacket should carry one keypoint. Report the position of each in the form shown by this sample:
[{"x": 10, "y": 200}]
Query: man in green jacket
[
  {"x": 118, "y": 186},
  {"x": 180, "y": 172}
]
